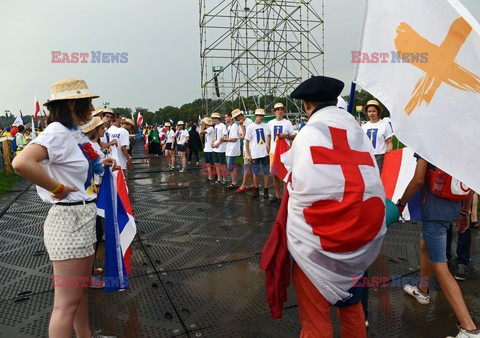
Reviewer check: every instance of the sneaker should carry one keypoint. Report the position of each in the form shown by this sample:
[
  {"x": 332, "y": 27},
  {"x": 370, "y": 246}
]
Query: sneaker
[
  {"x": 366, "y": 323},
  {"x": 216, "y": 183},
  {"x": 466, "y": 334},
  {"x": 224, "y": 182},
  {"x": 417, "y": 294},
  {"x": 98, "y": 334},
  {"x": 266, "y": 197},
  {"x": 256, "y": 193},
  {"x": 182, "y": 170},
  {"x": 461, "y": 272}
]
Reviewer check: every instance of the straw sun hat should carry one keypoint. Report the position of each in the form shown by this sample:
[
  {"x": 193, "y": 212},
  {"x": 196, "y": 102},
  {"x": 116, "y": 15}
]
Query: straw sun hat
[
  {"x": 129, "y": 121},
  {"x": 207, "y": 120},
  {"x": 167, "y": 124},
  {"x": 236, "y": 112},
  {"x": 69, "y": 89},
  {"x": 375, "y": 104},
  {"x": 216, "y": 116},
  {"x": 278, "y": 105},
  {"x": 260, "y": 112},
  {"x": 180, "y": 123},
  {"x": 92, "y": 124}
]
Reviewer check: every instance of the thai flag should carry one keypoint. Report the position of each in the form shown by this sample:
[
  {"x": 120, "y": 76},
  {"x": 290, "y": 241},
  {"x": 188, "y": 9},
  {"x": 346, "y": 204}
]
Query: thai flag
[
  {"x": 398, "y": 169},
  {"x": 114, "y": 206}
]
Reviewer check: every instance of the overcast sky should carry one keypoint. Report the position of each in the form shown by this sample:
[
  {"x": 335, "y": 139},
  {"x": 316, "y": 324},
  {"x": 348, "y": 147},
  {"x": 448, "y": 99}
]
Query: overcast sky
[{"x": 161, "y": 39}]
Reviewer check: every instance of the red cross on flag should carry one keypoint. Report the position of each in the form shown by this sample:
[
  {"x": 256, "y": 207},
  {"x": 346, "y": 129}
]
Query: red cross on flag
[{"x": 336, "y": 210}]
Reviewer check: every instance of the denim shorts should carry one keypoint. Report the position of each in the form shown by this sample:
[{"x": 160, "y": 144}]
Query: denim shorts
[
  {"x": 208, "y": 157},
  {"x": 181, "y": 148},
  {"x": 231, "y": 163},
  {"x": 434, "y": 233}
]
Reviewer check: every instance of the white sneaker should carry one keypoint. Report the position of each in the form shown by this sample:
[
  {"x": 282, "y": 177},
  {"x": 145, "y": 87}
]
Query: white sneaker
[
  {"x": 467, "y": 334},
  {"x": 417, "y": 294},
  {"x": 366, "y": 323}
]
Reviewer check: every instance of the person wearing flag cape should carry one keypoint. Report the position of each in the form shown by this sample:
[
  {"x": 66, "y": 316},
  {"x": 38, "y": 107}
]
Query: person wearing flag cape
[
  {"x": 62, "y": 163},
  {"x": 332, "y": 217}
]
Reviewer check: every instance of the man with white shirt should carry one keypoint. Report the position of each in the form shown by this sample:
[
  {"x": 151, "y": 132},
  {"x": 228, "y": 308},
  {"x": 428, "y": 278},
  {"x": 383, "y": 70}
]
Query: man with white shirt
[
  {"x": 280, "y": 128},
  {"x": 207, "y": 130},
  {"x": 257, "y": 149},
  {"x": 219, "y": 148},
  {"x": 122, "y": 135},
  {"x": 108, "y": 117},
  {"x": 243, "y": 124},
  {"x": 233, "y": 148}
]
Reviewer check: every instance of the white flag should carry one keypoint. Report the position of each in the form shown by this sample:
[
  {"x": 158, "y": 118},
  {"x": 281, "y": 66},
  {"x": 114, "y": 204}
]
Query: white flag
[
  {"x": 34, "y": 134},
  {"x": 422, "y": 61}
]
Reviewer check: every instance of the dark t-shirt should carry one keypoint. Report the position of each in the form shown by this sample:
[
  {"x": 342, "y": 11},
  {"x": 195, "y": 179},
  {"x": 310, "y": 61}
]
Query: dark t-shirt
[{"x": 434, "y": 208}]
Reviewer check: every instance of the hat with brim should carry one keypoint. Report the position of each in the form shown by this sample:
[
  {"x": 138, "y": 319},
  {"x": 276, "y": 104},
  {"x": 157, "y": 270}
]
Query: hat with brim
[
  {"x": 260, "y": 112},
  {"x": 97, "y": 111},
  {"x": 70, "y": 89},
  {"x": 278, "y": 106},
  {"x": 129, "y": 121},
  {"x": 215, "y": 116},
  {"x": 236, "y": 113},
  {"x": 92, "y": 124},
  {"x": 318, "y": 89},
  {"x": 374, "y": 103},
  {"x": 208, "y": 121},
  {"x": 180, "y": 123},
  {"x": 167, "y": 124}
]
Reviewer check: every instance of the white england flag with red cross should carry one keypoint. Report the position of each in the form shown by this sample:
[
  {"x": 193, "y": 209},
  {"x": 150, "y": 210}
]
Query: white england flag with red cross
[
  {"x": 336, "y": 210},
  {"x": 428, "y": 78}
]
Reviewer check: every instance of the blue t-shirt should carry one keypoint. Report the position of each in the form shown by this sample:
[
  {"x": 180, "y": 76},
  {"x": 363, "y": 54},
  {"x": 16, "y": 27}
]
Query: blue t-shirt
[{"x": 434, "y": 208}]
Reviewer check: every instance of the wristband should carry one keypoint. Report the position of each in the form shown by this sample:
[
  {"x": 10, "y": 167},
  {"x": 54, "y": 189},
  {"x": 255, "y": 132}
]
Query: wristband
[
  {"x": 399, "y": 202},
  {"x": 465, "y": 213},
  {"x": 56, "y": 189},
  {"x": 62, "y": 188}
]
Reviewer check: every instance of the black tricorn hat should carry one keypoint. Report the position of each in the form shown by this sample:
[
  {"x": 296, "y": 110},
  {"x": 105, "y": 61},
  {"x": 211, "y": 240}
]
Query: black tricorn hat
[{"x": 318, "y": 89}]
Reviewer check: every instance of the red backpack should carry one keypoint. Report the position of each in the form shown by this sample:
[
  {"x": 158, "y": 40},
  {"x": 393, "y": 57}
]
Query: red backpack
[{"x": 445, "y": 186}]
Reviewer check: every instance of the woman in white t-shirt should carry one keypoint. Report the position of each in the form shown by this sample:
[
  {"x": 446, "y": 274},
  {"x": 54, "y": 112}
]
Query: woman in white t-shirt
[
  {"x": 378, "y": 131},
  {"x": 182, "y": 137},
  {"x": 207, "y": 130},
  {"x": 62, "y": 162}
]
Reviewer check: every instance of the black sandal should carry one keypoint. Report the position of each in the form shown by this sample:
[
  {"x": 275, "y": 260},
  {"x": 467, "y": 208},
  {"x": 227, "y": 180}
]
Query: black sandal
[
  {"x": 233, "y": 187},
  {"x": 474, "y": 225}
]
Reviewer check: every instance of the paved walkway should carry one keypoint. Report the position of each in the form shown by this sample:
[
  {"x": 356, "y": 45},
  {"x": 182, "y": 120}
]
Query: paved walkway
[{"x": 195, "y": 268}]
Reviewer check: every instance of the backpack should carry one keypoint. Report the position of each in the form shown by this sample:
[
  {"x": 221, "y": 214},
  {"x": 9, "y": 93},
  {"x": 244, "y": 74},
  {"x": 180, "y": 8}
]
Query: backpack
[
  {"x": 445, "y": 186},
  {"x": 14, "y": 144}
]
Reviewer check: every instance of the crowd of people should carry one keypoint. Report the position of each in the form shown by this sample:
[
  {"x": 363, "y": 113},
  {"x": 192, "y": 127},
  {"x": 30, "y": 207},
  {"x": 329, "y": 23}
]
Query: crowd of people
[{"x": 324, "y": 223}]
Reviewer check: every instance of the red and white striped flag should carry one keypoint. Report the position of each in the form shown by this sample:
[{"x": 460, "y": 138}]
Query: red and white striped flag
[
  {"x": 139, "y": 120},
  {"x": 36, "y": 108}
]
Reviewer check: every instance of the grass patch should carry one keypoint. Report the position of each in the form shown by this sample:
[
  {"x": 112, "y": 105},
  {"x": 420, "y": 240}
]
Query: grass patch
[{"x": 7, "y": 181}]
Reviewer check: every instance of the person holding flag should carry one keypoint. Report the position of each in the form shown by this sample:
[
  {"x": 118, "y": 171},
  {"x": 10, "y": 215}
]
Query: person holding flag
[
  {"x": 332, "y": 216},
  {"x": 61, "y": 163},
  {"x": 257, "y": 149},
  {"x": 437, "y": 214},
  {"x": 378, "y": 131},
  {"x": 280, "y": 128}
]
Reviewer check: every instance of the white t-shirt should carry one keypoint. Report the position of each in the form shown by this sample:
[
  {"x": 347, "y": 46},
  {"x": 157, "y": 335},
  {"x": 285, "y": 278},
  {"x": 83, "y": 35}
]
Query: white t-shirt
[
  {"x": 170, "y": 136},
  {"x": 278, "y": 127},
  {"x": 105, "y": 139},
  {"x": 233, "y": 148},
  {"x": 220, "y": 131},
  {"x": 122, "y": 137},
  {"x": 66, "y": 164},
  {"x": 246, "y": 123},
  {"x": 182, "y": 137},
  {"x": 257, "y": 138},
  {"x": 378, "y": 133},
  {"x": 208, "y": 140}
]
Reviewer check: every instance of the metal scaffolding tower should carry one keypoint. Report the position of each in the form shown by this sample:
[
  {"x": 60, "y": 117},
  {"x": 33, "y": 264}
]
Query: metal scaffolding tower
[{"x": 258, "y": 49}]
